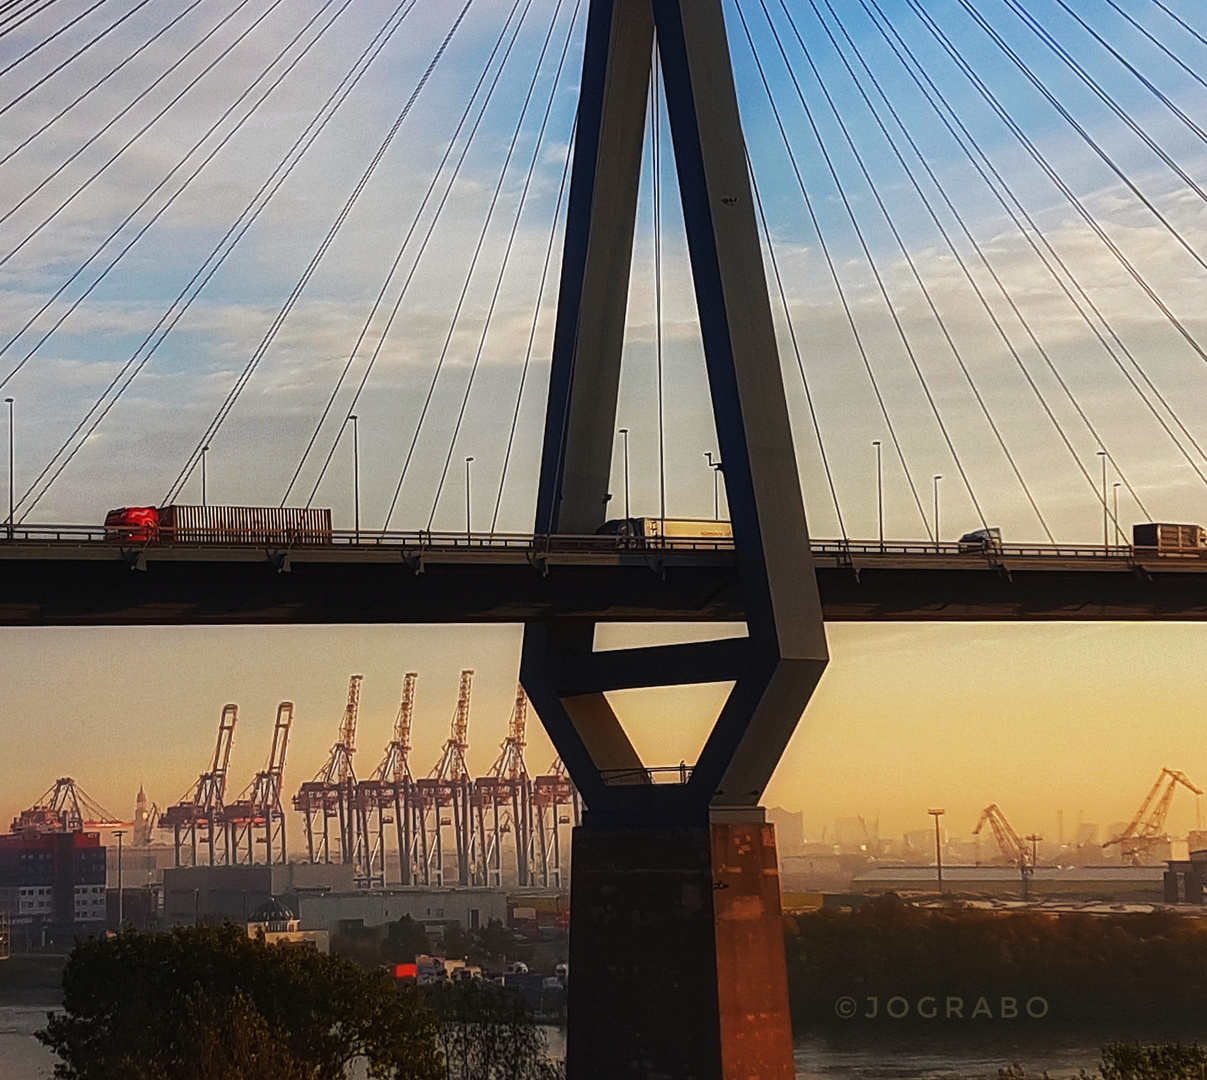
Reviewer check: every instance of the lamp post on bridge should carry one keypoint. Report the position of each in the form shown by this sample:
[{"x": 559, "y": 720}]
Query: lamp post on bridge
[
  {"x": 355, "y": 473},
  {"x": 624, "y": 434},
  {"x": 468, "y": 515},
  {"x": 204, "y": 451},
  {"x": 1118, "y": 531},
  {"x": 879, "y": 491},
  {"x": 937, "y": 813},
  {"x": 11, "y": 489},
  {"x": 936, "y": 484},
  {"x": 1106, "y": 531},
  {"x": 716, "y": 485}
]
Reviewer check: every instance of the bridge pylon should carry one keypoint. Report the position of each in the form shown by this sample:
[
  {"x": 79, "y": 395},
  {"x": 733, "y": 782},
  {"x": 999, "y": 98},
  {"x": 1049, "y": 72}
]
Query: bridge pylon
[{"x": 676, "y": 944}]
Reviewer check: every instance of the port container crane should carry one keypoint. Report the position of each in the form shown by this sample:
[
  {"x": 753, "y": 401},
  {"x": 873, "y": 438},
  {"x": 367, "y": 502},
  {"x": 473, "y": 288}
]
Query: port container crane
[
  {"x": 331, "y": 795},
  {"x": 66, "y": 807},
  {"x": 197, "y": 820},
  {"x": 447, "y": 788},
  {"x": 388, "y": 797},
  {"x": 257, "y": 817},
  {"x": 502, "y": 802}
]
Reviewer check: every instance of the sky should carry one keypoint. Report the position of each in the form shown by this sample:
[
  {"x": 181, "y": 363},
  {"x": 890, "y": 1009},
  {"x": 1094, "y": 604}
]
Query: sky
[{"x": 1083, "y": 332}]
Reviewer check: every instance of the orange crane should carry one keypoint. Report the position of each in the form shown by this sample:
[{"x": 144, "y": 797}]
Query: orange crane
[
  {"x": 332, "y": 793},
  {"x": 197, "y": 818},
  {"x": 1008, "y": 841},
  {"x": 1147, "y": 828},
  {"x": 257, "y": 816},
  {"x": 504, "y": 797},
  {"x": 66, "y": 808},
  {"x": 448, "y": 785},
  {"x": 391, "y": 790}
]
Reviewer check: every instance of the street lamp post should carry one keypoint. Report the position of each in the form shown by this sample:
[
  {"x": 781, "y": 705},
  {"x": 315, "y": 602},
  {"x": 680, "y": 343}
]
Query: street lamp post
[
  {"x": 468, "y": 517},
  {"x": 121, "y": 910},
  {"x": 716, "y": 485},
  {"x": 879, "y": 491},
  {"x": 937, "y": 813},
  {"x": 11, "y": 488},
  {"x": 624, "y": 434},
  {"x": 356, "y": 473},
  {"x": 1106, "y": 531},
  {"x": 204, "y": 451},
  {"x": 936, "y": 482},
  {"x": 1118, "y": 531}
]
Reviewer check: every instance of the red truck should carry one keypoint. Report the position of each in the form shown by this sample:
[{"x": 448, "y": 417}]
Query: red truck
[{"x": 249, "y": 525}]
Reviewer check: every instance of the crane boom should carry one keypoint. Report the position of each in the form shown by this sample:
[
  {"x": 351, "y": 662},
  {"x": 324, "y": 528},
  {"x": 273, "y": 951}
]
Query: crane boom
[
  {"x": 1147, "y": 826},
  {"x": 460, "y": 734},
  {"x": 406, "y": 709},
  {"x": 1008, "y": 841},
  {"x": 347, "y": 729}
]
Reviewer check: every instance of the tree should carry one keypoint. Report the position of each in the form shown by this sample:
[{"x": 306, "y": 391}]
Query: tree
[
  {"x": 457, "y": 942},
  {"x": 160, "y": 1007},
  {"x": 495, "y": 941},
  {"x": 405, "y": 940},
  {"x": 488, "y": 1032}
]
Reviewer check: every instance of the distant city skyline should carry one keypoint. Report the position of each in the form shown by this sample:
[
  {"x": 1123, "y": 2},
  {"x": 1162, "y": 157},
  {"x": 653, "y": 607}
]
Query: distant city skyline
[{"x": 1037, "y": 718}]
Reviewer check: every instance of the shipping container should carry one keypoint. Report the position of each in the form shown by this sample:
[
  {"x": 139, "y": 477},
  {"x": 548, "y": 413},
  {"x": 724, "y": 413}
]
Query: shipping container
[
  {"x": 267, "y": 526},
  {"x": 1169, "y": 539},
  {"x": 668, "y": 528}
]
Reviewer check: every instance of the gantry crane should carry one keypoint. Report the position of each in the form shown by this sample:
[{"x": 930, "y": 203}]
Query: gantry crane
[
  {"x": 555, "y": 802},
  {"x": 331, "y": 795},
  {"x": 257, "y": 817},
  {"x": 390, "y": 791},
  {"x": 65, "y": 807},
  {"x": 447, "y": 788},
  {"x": 1147, "y": 828},
  {"x": 196, "y": 821},
  {"x": 502, "y": 802}
]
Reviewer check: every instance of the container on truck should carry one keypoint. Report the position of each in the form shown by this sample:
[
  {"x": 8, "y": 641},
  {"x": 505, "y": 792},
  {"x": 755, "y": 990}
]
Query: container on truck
[
  {"x": 271, "y": 526},
  {"x": 1166, "y": 539}
]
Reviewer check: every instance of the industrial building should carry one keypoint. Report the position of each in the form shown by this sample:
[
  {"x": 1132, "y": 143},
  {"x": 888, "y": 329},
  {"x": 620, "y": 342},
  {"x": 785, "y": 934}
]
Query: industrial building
[
  {"x": 53, "y": 885},
  {"x": 1135, "y": 884}
]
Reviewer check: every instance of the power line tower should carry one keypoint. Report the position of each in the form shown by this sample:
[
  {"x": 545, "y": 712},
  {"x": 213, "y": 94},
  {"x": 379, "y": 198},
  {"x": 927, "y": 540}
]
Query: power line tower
[
  {"x": 387, "y": 797},
  {"x": 444, "y": 797},
  {"x": 257, "y": 817},
  {"x": 502, "y": 802},
  {"x": 331, "y": 796},
  {"x": 197, "y": 820}
]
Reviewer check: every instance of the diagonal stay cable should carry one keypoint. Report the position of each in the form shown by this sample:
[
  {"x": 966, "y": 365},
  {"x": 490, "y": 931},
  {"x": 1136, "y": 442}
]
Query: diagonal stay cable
[
  {"x": 538, "y": 144},
  {"x": 74, "y": 56},
  {"x": 427, "y": 401},
  {"x": 385, "y": 286},
  {"x": 143, "y": 229},
  {"x": 291, "y": 301},
  {"x": 47, "y": 40},
  {"x": 836, "y": 278},
  {"x": 1046, "y": 167},
  {"x": 1019, "y": 214},
  {"x": 1180, "y": 21},
  {"x": 16, "y": 20},
  {"x": 881, "y": 285},
  {"x": 130, "y": 142},
  {"x": 210, "y": 266},
  {"x": 1169, "y": 53},
  {"x": 46, "y": 125},
  {"x": 975, "y": 244},
  {"x": 532, "y": 329}
]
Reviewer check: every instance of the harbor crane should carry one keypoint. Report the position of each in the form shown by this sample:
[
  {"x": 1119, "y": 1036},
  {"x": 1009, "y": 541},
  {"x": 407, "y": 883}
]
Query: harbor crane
[
  {"x": 1147, "y": 828},
  {"x": 257, "y": 817},
  {"x": 1011, "y": 845},
  {"x": 65, "y": 807},
  {"x": 390, "y": 791},
  {"x": 197, "y": 820},
  {"x": 448, "y": 787},
  {"x": 503, "y": 804},
  {"x": 331, "y": 795}
]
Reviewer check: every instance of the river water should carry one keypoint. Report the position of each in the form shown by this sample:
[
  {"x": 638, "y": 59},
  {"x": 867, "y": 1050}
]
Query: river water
[{"x": 22, "y": 1057}]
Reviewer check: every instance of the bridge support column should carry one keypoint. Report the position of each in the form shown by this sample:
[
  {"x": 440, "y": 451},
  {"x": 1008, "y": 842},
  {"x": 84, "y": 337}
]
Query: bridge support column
[{"x": 676, "y": 954}]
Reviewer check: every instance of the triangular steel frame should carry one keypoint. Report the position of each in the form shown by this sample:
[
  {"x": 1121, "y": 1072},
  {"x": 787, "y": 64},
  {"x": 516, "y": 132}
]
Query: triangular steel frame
[{"x": 776, "y": 668}]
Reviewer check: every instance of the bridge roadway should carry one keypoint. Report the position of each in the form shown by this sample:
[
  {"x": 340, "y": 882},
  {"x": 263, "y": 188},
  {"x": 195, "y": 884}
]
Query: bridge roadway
[{"x": 70, "y": 576}]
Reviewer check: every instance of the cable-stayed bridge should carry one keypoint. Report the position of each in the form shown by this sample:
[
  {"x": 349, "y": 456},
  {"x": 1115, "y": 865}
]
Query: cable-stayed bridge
[{"x": 925, "y": 267}]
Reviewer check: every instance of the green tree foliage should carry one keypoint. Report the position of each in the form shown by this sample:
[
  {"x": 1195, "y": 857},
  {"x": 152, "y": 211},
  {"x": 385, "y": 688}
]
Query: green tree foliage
[
  {"x": 457, "y": 941},
  {"x": 405, "y": 940},
  {"x": 1131, "y": 1061},
  {"x": 487, "y": 1032},
  {"x": 495, "y": 942},
  {"x": 1087, "y": 967},
  {"x": 204, "y": 1004}
]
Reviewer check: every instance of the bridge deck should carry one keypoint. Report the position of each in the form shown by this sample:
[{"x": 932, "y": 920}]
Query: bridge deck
[{"x": 69, "y": 576}]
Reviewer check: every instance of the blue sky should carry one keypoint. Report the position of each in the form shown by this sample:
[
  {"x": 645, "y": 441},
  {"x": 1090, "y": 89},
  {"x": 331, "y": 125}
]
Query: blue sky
[{"x": 143, "y": 443}]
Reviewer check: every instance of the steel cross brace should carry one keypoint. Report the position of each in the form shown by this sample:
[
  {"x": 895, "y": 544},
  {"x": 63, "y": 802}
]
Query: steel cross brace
[{"x": 776, "y": 667}]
